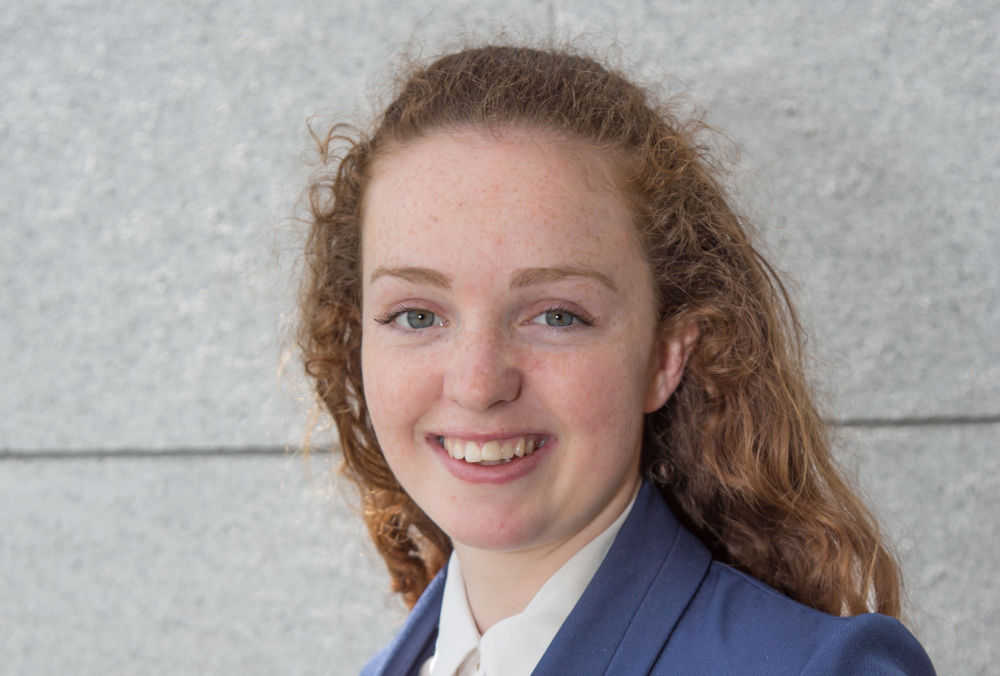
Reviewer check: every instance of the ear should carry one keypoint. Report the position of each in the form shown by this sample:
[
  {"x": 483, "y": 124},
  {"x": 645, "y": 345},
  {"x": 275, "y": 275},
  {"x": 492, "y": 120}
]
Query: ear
[{"x": 668, "y": 360}]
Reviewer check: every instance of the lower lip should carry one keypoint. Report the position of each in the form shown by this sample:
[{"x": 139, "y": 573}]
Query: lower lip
[{"x": 475, "y": 473}]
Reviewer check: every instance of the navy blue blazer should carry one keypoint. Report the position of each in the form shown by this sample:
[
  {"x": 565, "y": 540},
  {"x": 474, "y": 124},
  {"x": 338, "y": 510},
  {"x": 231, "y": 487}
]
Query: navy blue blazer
[{"x": 660, "y": 605}]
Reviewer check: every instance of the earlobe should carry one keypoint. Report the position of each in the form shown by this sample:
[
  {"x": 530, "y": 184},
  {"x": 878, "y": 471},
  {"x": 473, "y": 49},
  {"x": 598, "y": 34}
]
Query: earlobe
[{"x": 670, "y": 359}]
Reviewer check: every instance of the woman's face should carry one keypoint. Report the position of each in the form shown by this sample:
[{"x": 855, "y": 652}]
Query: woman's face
[{"x": 506, "y": 303}]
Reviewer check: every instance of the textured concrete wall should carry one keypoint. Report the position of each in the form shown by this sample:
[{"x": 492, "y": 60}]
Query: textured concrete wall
[{"x": 148, "y": 518}]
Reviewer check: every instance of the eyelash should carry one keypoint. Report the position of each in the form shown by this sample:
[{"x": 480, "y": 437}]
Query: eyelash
[
  {"x": 390, "y": 315},
  {"x": 586, "y": 319}
]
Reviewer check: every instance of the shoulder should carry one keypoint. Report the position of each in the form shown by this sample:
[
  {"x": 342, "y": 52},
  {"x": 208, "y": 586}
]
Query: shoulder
[
  {"x": 870, "y": 644},
  {"x": 415, "y": 638},
  {"x": 375, "y": 664},
  {"x": 737, "y": 624}
]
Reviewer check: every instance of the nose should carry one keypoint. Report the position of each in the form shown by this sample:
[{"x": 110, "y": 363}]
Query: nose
[{"x": 482, "y": 373}]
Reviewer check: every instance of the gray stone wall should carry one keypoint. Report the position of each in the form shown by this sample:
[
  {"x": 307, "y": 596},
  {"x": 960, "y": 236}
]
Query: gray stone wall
[{"x": 150, "y": 519}]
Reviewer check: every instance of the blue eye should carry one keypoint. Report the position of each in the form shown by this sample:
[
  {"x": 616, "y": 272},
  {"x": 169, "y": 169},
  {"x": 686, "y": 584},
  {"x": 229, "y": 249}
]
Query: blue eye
[
  {"x": 557, "y": 318},
  {"x": 416, "y": 319}
]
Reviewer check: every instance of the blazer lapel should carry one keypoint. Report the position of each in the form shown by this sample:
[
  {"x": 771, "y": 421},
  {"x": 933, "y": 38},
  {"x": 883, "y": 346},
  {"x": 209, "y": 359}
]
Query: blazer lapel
[
  {"x": 621, "y": 623},
  {"x": 417, "y": 632}
]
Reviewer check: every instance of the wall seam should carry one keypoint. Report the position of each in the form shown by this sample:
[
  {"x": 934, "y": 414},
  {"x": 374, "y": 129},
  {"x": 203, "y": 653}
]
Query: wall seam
[{"x": 252, "y": 451}]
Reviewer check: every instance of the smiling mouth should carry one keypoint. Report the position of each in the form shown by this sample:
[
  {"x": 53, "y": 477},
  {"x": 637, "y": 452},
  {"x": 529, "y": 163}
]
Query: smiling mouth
[{"x": 496, "y": 452}]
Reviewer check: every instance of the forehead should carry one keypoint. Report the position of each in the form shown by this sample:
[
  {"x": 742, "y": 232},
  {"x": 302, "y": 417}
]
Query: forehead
[{"x": 520, "y": 200}]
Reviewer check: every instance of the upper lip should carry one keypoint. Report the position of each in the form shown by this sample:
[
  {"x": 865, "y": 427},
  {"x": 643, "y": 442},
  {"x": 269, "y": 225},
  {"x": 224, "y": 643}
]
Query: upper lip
[{"x": 493, "y": 436}]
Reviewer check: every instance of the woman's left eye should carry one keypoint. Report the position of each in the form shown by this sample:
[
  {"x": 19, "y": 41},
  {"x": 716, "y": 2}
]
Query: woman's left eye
[
  {"x": 556, "y": 318},
  {"x": 416, "y": 319}
]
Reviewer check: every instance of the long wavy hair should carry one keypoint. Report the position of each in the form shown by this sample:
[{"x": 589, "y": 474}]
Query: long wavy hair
[{"x": 740, "y": 450}]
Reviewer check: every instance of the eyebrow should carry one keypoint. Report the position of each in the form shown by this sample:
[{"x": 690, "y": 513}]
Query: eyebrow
[
  {"x": 526, "y": 277},
  {"x": 523, "y": 278},
  {"x": 414, "y": 275}
]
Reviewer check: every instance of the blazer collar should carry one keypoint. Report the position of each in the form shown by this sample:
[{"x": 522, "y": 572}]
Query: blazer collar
[
  {"x": 623, "y": 619},
  {"x": 633, "y": 603}
]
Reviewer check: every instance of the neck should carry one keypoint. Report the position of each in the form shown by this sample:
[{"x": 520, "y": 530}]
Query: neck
[{"x": 501, "y": 584}]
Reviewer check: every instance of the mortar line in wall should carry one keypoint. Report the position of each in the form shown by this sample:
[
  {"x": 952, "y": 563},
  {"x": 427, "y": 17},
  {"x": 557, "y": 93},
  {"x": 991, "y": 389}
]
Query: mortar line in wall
[
  {"x": 252, "y": 451},
  {"x": 928, "y": 421},
  {"x": 190, "y": 452}
]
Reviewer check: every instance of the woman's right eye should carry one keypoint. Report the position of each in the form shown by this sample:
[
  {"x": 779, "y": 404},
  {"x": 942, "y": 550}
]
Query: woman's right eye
[{"x": 416, "y": 319}]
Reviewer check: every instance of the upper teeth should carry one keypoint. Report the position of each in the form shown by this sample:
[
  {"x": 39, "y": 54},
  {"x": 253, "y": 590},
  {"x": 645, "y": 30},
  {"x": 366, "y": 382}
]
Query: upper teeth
[{"x": 492, "y": 452}]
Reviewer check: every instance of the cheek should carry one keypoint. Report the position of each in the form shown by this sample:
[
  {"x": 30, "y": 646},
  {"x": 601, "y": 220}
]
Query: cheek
[
  {"x": 399, "y": 388},
  {"x": 598, "y": 392}
]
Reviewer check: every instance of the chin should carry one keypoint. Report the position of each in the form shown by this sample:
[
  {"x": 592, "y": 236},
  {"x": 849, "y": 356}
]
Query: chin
[
  {"x": 493, "y": 534},
  {"x": 488, "y": 517}
]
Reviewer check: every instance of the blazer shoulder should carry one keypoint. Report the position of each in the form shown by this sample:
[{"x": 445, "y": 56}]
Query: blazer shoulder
[
  {"x": 738, "y": 624},
  {"x": 868, "y": 645},
  {"x": 376, "y": 662},
  {"x": 415, "y": 636}
]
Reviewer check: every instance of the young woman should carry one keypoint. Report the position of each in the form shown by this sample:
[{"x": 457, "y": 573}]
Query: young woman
[{"x": 571, "y": 392}]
